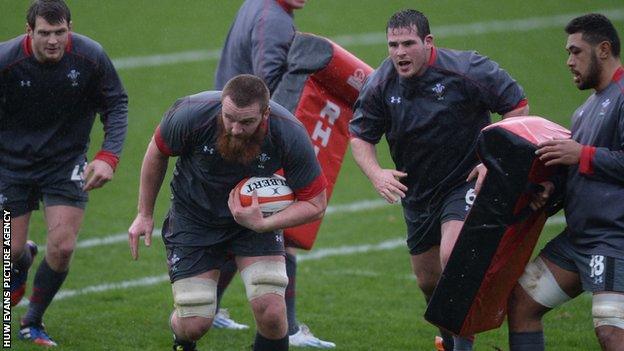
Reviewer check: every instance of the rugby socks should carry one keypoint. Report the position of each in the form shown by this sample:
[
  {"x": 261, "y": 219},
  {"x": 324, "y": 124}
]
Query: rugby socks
[
  {"x": 290, "y": 295},
  {"x": 530, "y": 341},
  {"x": 462, "y": 344},
  {"x": 228, "y": 271},
  {"x": 263, "y": 344},
  {"x": 447, "y": 339},
  {"x": 46, "y": 285},
  {"x": 24, "y": 261}
]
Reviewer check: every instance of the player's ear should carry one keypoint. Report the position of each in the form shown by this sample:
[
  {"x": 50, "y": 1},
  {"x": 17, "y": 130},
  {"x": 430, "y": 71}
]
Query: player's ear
[
  {"x": 266, "y": 113},
  {"x": 604, "y": 50},
  {"x": 29, "y": 30},
  {"x": 429, "y": 40},
  {"x": 69, "y": 25}
]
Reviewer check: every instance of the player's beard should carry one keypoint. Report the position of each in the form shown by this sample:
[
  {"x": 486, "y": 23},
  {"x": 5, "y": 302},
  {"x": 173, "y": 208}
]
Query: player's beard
[
  {"x": 242, "y": 150},
  {"x": 594, "y": 71}
]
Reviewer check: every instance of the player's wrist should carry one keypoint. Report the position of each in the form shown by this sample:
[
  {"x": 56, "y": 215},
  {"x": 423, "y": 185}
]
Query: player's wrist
[{"x": 110, "y": 158}]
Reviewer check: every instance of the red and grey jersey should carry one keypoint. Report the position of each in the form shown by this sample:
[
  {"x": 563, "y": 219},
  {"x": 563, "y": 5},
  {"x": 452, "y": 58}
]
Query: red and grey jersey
[
  {"x": 47, "y": 110},
  {"x": 257, "y": 43},
  {"x": 594, "y": 203},
  {"x": 203, "y": 180},
  {"x": 432, "y": 121}
]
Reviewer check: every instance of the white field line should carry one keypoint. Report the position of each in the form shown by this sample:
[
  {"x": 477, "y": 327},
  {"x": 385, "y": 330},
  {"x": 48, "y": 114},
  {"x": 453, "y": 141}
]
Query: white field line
[
  {"x": 378, "y": 38},
  {"x": 335, "y": 209},
  {"x": 314, "y": 255}
]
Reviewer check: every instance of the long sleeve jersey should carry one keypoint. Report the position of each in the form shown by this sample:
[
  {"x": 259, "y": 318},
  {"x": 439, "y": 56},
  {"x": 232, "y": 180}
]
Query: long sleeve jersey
[{"x": 47, "y": 110}]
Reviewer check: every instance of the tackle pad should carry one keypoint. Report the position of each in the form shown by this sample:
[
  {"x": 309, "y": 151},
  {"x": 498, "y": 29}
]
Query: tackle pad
[
  {"x": 321, "y": 84},
  {"x": 500, "y": 231}
]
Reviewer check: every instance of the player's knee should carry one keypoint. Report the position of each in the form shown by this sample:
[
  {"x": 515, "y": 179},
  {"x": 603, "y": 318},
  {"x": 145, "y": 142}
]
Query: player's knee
[
  {"x": 540, "y": 285},
  {"x": 195, "y": 297},
  {"x": 193, "y": 328},
  {"x": 608, "y": 335},
  {"x": 271, "y": 316},
  {"x": 264, "y": 277},
  {"x": 608, "y": 314}
]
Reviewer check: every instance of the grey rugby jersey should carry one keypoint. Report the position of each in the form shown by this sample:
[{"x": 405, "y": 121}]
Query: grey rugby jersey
[
  {"x": 594, "y": 204},
  {"x": 203, "y": 180},
  {"x": 257, "y": 43},
  {"x": 47, "y": 110},
  {"x": 432, "y": 122}
]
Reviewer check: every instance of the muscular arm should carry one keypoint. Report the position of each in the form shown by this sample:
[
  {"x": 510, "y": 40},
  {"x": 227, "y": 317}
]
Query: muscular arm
[
  {"x": 385, "y": 181},
  {"x": 300, "y": 212},
  {"x": 153, "y": 172}
]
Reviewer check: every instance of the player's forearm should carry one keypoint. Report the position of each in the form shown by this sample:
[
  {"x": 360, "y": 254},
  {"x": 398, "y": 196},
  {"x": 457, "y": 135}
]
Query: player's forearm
[
  {"x": 520, "y": 111},
  {"x": 153, "y": 172},
  {"x": 300, "y": 212},
  {"x": 365, "y": 156}
]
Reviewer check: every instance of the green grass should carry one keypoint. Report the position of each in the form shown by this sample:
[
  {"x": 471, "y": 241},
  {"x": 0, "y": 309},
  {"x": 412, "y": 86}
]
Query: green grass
[{"x": 361, "y": 301}]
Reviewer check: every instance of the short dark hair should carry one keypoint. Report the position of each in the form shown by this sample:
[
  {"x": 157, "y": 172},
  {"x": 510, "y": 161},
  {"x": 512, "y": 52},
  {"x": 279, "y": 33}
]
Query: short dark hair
[
  {"x": 409, "y": 18},
  {"x": 245, "y": 90},
  {"x": 595, "y": 28},
  {"x": 53, "y": 11}
]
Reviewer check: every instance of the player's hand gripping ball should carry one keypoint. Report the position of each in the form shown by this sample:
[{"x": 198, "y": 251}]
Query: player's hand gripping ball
[{"x": 273, "y": 192}]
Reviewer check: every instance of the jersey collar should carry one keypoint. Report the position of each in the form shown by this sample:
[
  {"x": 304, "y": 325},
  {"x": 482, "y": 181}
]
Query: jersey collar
[{"x": 618, "y": 74}]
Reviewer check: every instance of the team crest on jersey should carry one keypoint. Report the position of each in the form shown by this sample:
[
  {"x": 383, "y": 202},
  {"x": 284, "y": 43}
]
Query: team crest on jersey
[
  {"x": 73, "y": 76},
  {"x": 262, "y": 159},
  {"x": 438, "y": 90}
]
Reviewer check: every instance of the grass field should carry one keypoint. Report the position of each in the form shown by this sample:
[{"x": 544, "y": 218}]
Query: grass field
[{"x": 355, "y": 287}]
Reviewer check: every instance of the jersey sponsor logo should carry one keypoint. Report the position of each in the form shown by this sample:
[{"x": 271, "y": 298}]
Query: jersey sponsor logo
[
  {"x": 25, "y": 83},
  {"x": 597, "y": 268},
  {"x": 73, "y": 76},
  {"x": 356, "y": 80},
  {"x": 395, "y": 99},
  {"x": 438, "y": 90},
  {"x": 262, "y": 159}
]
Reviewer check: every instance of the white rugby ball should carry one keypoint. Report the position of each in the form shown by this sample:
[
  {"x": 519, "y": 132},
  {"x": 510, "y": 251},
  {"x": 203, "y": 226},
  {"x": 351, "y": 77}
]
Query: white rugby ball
[{"x": 273, "y": 192}]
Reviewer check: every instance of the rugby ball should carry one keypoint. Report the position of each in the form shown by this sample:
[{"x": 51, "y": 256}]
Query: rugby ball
[{"x": 274, "y": 194}]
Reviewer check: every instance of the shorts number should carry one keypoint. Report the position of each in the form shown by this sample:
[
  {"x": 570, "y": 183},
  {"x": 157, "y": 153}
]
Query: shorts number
[
  {"x": 78, "y": 172},
  {"x": 596, "y": 265}
]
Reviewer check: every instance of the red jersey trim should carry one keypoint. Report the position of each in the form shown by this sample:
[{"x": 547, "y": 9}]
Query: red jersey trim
[
  {"x": 313, "y": 189},
  {"x": 585, "y": 163},
  {"x": 285, "y": 6},
  {"x": 107, "y": 157},
  {"x": 26, "y": 45},
  {"x": 434, "y": 54},
  {"x": 68, "y": 47},
  {"x": 161, "y": 144},
  {"x": 521, "y": 104}
]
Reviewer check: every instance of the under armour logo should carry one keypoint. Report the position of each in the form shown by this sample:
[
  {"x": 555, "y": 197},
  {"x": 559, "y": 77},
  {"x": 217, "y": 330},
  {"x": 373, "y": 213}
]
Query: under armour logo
[
  {"x": 606, "y": 103},
  {"x": 25, "y": 83},
  {"x": 209, "y": 150},
  {"x": 278, "y": 238},
  {"x": 275, "y": 191},
  {"x": 395, "y": 99}
]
